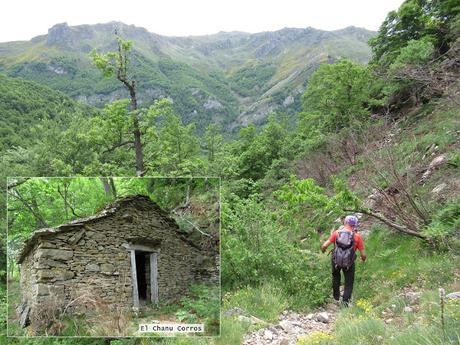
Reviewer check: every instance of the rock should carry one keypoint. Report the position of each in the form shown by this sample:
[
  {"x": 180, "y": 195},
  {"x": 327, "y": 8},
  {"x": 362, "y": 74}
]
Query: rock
[
  {"x": 453, "y": 295},
  {"x": 310, "y": 316},
  {"x": 24, "y": 318},
  {"x": 249, "y": 319},
  {"x": 40, "y": 264},
  {"x": 437, "y": 162},
  {"x": 408, "y": 309},
  {"x": 244, "y": 318},
  {"x": 323, "y": 317},
  {"x": 92, "y": 268},
  {"x": 77, "y": 237},
  {"x": 56, "y": 254},
  {"x": 426, "y": 175},
  {"x": 212, "y": 104},
  {"x": 54, "y": 274},
  {"x": 233, "y": 311},
  {"x": 388, "y": 320},
  {"x": 286, "y": 326},
  {"x": 61, "y": 274},
  {"x": 413, "y": 297},
  {"x": 439, "y": 188},
  {"x": 288, "y": 101},
  {"x": 284, "y": 341},
  {"x": 107, "y": 268},
  {"x": 434, "y": 164},
  {"x": 20, "y": 309},
  {"x": 268, "y": 334},
  {"x": 373, "y": 199},
  {"x": 45, "y": 289}
]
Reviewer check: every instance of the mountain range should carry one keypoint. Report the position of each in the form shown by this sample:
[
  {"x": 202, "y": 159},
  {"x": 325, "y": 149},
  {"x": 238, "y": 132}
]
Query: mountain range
[{"x": 231, "y": 78}]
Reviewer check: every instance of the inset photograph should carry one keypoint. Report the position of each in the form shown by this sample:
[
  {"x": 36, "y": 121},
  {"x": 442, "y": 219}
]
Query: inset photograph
[{"x": 113, "y": 257}]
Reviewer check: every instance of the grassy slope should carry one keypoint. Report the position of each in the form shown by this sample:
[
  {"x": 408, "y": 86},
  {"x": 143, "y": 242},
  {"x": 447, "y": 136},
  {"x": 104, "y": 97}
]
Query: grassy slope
[{"x": 399, "y": 263}]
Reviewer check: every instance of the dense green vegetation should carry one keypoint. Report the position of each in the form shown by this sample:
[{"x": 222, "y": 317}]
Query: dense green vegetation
[
  {"x": 24, "y": 105},
  {"x": 363, "y": 130},
  {"x": 251, "y": 80},
  {"x": 187, "y": 86},
  {"x": 203, "y": 75},
  {"x": 437, "y": 21}
]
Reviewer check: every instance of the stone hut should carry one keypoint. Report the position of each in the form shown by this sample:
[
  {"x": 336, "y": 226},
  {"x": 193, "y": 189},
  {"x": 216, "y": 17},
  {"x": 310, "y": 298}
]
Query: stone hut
[{"x": 130, "y": 253}]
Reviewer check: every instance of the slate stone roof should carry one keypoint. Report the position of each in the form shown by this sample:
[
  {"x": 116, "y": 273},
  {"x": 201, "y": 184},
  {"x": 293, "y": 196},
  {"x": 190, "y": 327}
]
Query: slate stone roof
[{"x": 109, "y": 210}]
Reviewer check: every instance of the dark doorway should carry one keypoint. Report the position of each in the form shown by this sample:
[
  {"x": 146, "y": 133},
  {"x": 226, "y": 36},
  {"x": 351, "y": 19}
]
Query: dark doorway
[{"x": 141, "y": 275}]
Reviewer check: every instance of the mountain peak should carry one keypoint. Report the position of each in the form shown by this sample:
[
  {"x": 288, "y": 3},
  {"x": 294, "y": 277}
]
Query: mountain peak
[{"x": 64, "y": 35}]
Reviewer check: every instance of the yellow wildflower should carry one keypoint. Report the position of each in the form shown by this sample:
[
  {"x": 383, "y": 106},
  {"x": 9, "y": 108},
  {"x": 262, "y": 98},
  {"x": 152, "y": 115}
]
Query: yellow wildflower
[{"x": 315, "y": 338}]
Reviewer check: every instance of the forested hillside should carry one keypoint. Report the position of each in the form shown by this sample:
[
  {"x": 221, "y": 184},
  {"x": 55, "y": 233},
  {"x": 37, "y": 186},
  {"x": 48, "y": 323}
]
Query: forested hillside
[
  {"x": 25, "y": 104},
  {"x": 379, "y": 140},
  {"x": 207, "y": 77}
]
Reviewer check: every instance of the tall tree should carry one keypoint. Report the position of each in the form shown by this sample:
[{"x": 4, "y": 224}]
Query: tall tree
[
  {"x": 337, "y": 95},
  {"x": 116, "y": 63},
  {"x": 438, "y": 21},
  {"x": 177, "y": 148},
  {"x": 212, "y": 140}
]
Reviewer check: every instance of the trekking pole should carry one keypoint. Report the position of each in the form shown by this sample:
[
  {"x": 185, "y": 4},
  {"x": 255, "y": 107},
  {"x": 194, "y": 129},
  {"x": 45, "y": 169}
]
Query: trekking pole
[{"x": 441, "y": 296}]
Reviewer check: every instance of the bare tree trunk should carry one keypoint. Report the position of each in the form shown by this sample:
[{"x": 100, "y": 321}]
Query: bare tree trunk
[
  {"x": 390, "y": 223},
  {"x": 105, "y": 185},
  {"x": 187, "y": 195},
  {"x": 137, "y": 132},
  {"x": 112, "y": 187},
  {"x": 33, "y": 208},
  {"x": 109, "y": 186},
  {"x": 67, "y": 204}
]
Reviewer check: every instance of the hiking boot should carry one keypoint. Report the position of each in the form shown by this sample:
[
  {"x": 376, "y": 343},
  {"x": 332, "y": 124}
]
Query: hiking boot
[{"x": 345, "y": 304}]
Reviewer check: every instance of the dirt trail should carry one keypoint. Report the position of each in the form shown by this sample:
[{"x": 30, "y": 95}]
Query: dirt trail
[{"x": 292, "y": 327}]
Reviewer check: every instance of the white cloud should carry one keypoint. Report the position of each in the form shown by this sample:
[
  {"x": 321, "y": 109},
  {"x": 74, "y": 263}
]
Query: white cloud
[{"x": 23, "y": 20}]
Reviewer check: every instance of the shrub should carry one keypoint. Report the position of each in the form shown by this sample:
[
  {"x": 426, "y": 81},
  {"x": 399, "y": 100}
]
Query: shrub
[
  {"x": 445, "y": 225},
  {"x": 256, "y": 248}
]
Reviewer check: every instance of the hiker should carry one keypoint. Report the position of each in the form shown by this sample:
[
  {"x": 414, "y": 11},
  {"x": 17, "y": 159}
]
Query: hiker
[{"x": 346, "y": 240}]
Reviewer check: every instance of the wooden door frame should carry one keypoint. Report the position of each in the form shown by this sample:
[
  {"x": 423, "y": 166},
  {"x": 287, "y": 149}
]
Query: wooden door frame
[{"x": 153, "y": 255}]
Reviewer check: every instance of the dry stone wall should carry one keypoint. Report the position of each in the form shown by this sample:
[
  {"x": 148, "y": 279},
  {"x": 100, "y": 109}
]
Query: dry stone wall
[{"x": 91, "y": 260}]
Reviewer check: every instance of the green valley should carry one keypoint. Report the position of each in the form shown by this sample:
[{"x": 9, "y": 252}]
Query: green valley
[{"x": 205, "y": 76}]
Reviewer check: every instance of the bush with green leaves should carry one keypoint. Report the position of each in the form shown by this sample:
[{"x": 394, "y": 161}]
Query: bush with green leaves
[
  {"x": 415, "y": 19},
  {"x": 338, "y": 96},
  {"x": 444, "y": 228},
  {"x": 202, "y": 303},
  {"x": 256, "y": 248}
]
